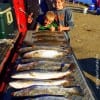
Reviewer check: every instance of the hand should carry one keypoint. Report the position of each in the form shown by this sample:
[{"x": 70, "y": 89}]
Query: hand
[
  {"x": 63, "y": 28},
  {"x": 60, "y": 28},
  {"x": 30, "y": 19},
  {"x": 52, "y": 29}
]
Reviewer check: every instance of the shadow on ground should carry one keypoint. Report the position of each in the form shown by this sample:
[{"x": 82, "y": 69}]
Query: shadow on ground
[{"x": 90, "y": 65}]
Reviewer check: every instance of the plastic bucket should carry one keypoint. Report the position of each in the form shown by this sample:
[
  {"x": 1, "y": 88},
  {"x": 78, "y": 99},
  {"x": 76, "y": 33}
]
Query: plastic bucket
[{"x": 85, "y": 10}]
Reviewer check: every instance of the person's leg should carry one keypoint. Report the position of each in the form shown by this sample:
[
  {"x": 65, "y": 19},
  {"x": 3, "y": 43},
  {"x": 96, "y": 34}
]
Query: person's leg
[{"x": 67, "y": 37}]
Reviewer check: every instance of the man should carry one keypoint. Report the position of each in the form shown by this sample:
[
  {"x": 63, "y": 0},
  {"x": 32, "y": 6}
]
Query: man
[{"x": 32, "y": 9}]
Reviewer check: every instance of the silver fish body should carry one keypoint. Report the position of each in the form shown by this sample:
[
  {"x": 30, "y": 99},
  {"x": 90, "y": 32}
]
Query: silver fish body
[
  {"x": 35, "y": 47},
  {"x": 40, "y": 75},
  {"x": 43, "y": 65},
  {"x": 43, "y": 97},
  {"x": 48, "y": 38},
  {"x": 66, "y": 59},
  {"x": 47, "y": 33},
  {"x": 51, "y": 43},
  {"x": 50, "y": 98},
  {"x": 46, "y": 54},
  {"x": 50, "y": 90},
  {"x": 19, "y": 84}
]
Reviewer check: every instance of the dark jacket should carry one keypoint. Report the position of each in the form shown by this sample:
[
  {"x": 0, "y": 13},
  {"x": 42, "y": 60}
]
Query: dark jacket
[{"x": 32, "y": 6}]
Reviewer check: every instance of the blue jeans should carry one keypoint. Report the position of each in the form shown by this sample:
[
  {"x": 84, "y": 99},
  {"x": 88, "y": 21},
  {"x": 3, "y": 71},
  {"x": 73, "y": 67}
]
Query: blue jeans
[{"x": 67, "y": 36}]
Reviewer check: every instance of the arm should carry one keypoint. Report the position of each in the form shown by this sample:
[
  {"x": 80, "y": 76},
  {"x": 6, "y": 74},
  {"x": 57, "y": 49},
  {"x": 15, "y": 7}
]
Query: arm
[
  {"x": 63, "y": 28},
  {"x": 37, "y": 27},
  {"x": 30, "y": 18},
  {"x": 68, "y": 21},
  {"x": 52, "y": 28}
]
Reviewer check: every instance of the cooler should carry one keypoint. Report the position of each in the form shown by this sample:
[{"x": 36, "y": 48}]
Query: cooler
[{"x": 6, "y": 21}]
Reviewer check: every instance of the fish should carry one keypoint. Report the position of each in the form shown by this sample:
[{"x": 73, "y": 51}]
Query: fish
[
  {"x": 20, "y": 84},
  {"x": 66, "y": 59},
  {"x": 35, "y": 47},
  {"x": 58, "y": 44},
  {"x": 48, "y": 33},
  {"x": 43, "y": 65},
  {"x": 49, "y": 38},
  {"x": 41, "y": 97},
  {"x": 41, "y": 75},
  {"x": 6, "y": 41},
  {"x": 51, "y": 43},
  {"x": 49, "y": 90},
  {"x": 50, "y": 98},
  {"x": 45, "y": 54},
  {"x": 27, "y": 60}
]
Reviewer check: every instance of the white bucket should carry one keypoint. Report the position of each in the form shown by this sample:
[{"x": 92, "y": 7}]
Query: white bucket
[{"x": 85, "y": 10}]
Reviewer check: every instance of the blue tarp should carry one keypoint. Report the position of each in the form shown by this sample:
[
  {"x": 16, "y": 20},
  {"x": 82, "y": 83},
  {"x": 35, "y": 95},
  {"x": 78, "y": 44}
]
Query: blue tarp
[{"x": 88, "y": 2}]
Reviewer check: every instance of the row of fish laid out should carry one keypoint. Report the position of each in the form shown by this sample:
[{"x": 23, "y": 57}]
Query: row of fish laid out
[
  {"x": 44, "y": 70},
  {"x": 34, "y": 85},
  {"x": 46, "y": 38},
  {"x": 42, "y": 78},
  {"x": 53, "y": 80}
]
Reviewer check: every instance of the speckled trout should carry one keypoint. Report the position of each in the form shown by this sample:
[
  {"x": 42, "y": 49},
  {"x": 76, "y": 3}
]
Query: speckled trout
[
  {"x": 45, "y": 54},
  {"x": 41, "y": 97},
  {"x": 51, "y": 97},
  {"x": 40, "y": 75},
  {"x": 66, "y": 59},
  {"x": 50, "y": 90},
  {"x": 48, "y": 42},
  {"x": 44, "y": 65},
  {"x": 48, "y": 38},
  {"x": 48, "y": 33},
  {"x": 19, "y": 84},
  {"x": 35, "y": 47}
]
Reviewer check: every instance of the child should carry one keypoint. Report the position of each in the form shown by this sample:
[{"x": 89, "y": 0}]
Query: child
[
  {"x": 48, "y": 23},
  {"x": 63, "y": 16},
  {"x": 36, "y": 9}
]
